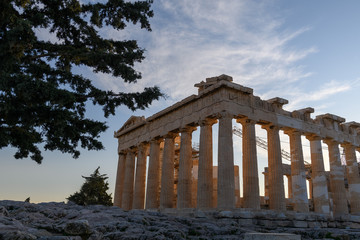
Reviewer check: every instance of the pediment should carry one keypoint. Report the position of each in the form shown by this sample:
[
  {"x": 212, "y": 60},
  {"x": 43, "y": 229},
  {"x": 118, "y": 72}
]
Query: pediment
[{"x": 133, "y": 120}]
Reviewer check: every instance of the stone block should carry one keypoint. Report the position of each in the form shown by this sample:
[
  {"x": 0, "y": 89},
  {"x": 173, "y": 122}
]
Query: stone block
[
  {"x": 271, "y": 236},
  {"x": 300, "y": 224},
  {"x": 345, "y": 217},
  {"x": 354, "y": 225},
  {"x": 226, "y": 214},
  {"x": 245, "y": 222},
  {"x": 281, "y": 216},
  {"x": 284, "y": 223},
  {"x": 354, "y": 218},
  {"x": 173, "y": 211},
  {"x": 300, "y": 216},
  {"x": 310, "y": 217},
  {"x": 331, "y": 224},
  {"x": 199, "y": 214},
  {"x": 243, "y": 214},
  {"x": 321, "y": 217},
  {"x": 324, "y": 224},
  {"x": 340, "y": 224},
  {"x": 266, "y": 223},
  {"x": 313, "y": 224}
]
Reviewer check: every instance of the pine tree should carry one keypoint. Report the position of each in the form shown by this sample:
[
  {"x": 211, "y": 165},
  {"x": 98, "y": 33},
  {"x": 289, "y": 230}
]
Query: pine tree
[
  {"x": 93, "y": 191},
  {"x": 42, "y": 98}
]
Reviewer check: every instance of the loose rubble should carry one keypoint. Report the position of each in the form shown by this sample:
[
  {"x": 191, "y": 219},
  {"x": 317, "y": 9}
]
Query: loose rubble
[{"x": 60, "y": 221}]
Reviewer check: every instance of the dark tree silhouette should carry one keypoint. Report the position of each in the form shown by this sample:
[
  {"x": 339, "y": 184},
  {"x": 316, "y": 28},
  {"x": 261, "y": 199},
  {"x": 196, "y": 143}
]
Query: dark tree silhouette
[
  {"x": 93, "y": 191},
  {"x": 42, "y": 99}
]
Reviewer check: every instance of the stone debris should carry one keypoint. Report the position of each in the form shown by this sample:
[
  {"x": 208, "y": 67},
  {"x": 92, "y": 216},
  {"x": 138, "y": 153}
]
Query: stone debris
[{"x": 60, "y": 221}]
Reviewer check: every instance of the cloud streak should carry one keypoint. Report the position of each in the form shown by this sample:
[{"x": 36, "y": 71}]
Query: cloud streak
[{"x": 193, "y": 40}]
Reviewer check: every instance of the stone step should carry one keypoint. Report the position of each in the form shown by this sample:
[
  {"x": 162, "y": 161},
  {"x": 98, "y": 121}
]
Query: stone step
[{"x": 271, "y": 236}]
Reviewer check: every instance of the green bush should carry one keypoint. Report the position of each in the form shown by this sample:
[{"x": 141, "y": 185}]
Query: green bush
[{"x": 93, "y": 191}]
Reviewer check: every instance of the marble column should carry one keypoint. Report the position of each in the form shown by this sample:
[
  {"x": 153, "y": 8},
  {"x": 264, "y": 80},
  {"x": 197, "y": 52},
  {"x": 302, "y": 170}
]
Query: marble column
[
  {"x": 128, "y": 190},
  {"x": 205, "y": 173},
  {"x": 119, "y": 186},
  {"x": 298, "y": 175},
  {"x": 337, "y": 179},
  {"x": 226, "y": 188},
  {"x": 251, "y": 196},
  {"x": 318, "y": 177},
  {"x": 153, "y": 177},
  {"x": 167, "y": 172},
  {"x": 185, "y": 164},
  {"x": 276, "y": 180},
  {"x": 352, "y": 173},
  {"x": 140, "y": 177}
]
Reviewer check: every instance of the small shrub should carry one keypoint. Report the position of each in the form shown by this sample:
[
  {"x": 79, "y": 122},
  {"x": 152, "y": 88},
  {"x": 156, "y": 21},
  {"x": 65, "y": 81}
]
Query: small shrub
[{"x": 93, "y": 191}]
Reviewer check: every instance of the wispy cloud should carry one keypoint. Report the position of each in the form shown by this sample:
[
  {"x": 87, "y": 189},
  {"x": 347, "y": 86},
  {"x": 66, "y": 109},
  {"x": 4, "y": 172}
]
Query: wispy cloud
[
  {"x": 300, "y": 96},
  {"x": 192, "y": 40}
]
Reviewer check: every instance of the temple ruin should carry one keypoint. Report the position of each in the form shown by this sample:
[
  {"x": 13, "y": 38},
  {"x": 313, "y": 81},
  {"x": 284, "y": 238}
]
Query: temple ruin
[{"x": 181, "y": 176}]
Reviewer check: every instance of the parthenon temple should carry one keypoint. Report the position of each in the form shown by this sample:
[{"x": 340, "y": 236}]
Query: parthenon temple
[{"x": 159, "y": 167}]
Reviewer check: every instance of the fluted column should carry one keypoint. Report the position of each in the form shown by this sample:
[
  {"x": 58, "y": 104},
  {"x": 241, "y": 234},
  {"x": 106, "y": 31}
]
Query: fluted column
[
  {"x": 128, "y": 190},
  {"x": 318, "y": 177},
  {"x": 119, "y": 186},
  {"x": 167, "y": 174},
  {"x": 153, "y": 178},
  {"x": 298, "y": 174},
  {"x": 205, "y": 172},
  {"x": 251, "y": 196},
  {"x": 185, "y": 164},
  {"x": 337, "y": 179},
  {"x": 226, "y": 188},
  {"x": 352, "y": 172},
  {"x": 140, "y": 177},
  {"x": 276, "y": 181}
]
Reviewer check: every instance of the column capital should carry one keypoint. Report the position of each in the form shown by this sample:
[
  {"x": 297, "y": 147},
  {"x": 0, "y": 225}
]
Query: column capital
[
  {"x": 156, "y": 140},
  {"x": 122, "y": 152},
  {"x": 246, "y": 120},
  {"x": 143, "y": 148},
  {"x": 224, "y": 114},
  {"x": 171, "y": 135},
  {"x": 207, "y": 121},
  {"x": 330, "y": 141},
  {"x": 142, "y": 144},
  {"x": 346, "y": 144},
  {"x": 133, "y": 149},
  {"x": 188, "y": 129},
  {"x": 291, "y": 131},
  {"x": 270, "y": 126},
  {"x": 313, "y": 137}
]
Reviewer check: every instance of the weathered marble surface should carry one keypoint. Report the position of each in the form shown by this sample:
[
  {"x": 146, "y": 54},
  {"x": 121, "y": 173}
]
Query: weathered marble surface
[{"x": 60, "y": 221}]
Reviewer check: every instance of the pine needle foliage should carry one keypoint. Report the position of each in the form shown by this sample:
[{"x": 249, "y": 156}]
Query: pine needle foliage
[
  {"x": 42, "y": 98},
  {"x": 93, "y": 191}
]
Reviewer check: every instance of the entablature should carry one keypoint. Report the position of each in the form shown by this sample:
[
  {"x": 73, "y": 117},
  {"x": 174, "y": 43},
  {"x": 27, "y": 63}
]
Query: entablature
[{"x": 220, "y": 94}]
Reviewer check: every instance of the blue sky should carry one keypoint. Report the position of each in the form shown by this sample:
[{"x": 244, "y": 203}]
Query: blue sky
[{"x": 305, "y": 51}]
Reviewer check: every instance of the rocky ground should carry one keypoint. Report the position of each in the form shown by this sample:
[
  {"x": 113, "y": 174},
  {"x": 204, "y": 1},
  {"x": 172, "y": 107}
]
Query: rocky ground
[{"x": 60, "y": 221}]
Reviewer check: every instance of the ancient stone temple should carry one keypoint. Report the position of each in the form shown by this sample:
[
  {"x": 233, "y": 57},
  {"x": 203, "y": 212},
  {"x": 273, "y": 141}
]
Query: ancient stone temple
[{"x": 159, "y": 167}]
